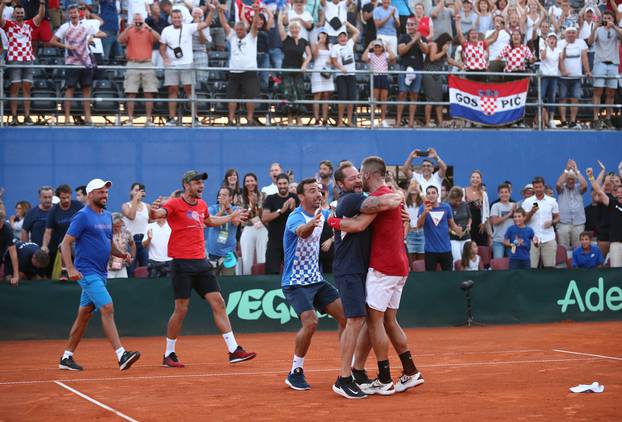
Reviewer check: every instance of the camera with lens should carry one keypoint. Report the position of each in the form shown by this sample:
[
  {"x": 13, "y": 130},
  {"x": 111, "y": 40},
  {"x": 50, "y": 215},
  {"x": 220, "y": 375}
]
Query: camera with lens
[{"x": 178, "y": 52}]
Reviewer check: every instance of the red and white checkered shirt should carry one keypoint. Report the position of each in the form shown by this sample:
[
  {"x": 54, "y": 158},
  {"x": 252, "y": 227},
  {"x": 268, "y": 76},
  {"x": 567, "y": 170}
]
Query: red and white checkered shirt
[
  {"x": 20, "y": 40},
  {"x": 475, "y": 56},
  {"x": 515, "y": 58}
]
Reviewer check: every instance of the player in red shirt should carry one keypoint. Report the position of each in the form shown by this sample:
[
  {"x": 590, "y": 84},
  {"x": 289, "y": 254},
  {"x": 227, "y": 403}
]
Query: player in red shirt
[
  {"x": 190, "y": 269},
  {"x": 20, "y": 52}
]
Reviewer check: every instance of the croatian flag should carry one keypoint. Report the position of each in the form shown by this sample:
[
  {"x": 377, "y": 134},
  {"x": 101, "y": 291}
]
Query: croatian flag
[{"x": 492, "y": 104}]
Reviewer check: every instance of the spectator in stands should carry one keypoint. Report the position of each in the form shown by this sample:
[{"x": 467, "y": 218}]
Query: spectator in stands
[
  {"x": 592, "y": 215},
  {"x": 589, "y": 18},
  {"x": 322, "y": 84},
  {"x": 139, "y": 39},
  {"x": 476, "y": 197},
  {"x": 17, "y": 220},
  {"x": 254, "y": 237},
  {"x": 8, "y": 249},
  {"x": 177, "y": 54},
  {"x": 55, "y": 14},
  {"x": 606, "y": 42},
  {"x": 335, "y": 17},
  {"x": 501, "y": 214},
  {"x": 271, "y": 189},
  {"x": 296, "y": 55},
  {"x": 573, "y": 58},
  {"x": 324, "y": 177},
  {"x": 133, "y": 7},
  {"x": 343, "y": 58},
  {"x": 484, "y": 10},
  {"x": 424, "y": 23},
  {"x": 57, "y": 224},
  {"x": 497, "y": 39},
  {"x": 474, "y": 51},
  {"x": 81, "y": 194},
  {"x": 436, "y": 60},
  {"x": 516, "y": 54},
  {"x": 411, "y": 49},
  {"x": 415, "y": 239},
  {"x": 570, "y": 200},
  {"x": 36, "y": 219},
  {"x": 221, "y": 240},
  {"x": 263, "y": 47},
  {"x": 43, "y": 33},
  {"x": 232, "y": 181},
  {"x": 200, "y": 40},
  {"x": 217, "y": 33},
  {"x": 156, "y": 242},
  {"x": 520, "y": 238},
  {"x": 587, "y": 255},
  {"x": 549, "y": 66},
  {"x": 122, "y": 238},
  {"x": 427, "y": 176},
  {"x": 274, "y": 50},
  {"x": 542, "y": 216},
  {"x": 20, "y": 52},
  {"x": 93, "y": 21},
  {"x": 136, "y": 218},
  {"x": 314, "y": 7},
  {"x": 75, "y": 39},
  {"x": 109, "y": 12},
  {"x": 470, "y": 260},
  {"x": 441, "y": 19},
  {"x": 297, "y": 13},
  {"x": 367, "y": 21},
  {"x": 243, "y": 83},
  {"x": 158, "y": 21},
  {"x": 32, "y": 262},
  {"x": 462, "y": 217},
  {"x": 378, "y": 54},
  {"x": 276, "y": 209},
  {"x": 468, "y": 17},
  {"x": 568, "y": 18},
  {"x": 613, "y": 209},
  {"x": 387, "y": 24},
  {"x": 527, "y": 192}
]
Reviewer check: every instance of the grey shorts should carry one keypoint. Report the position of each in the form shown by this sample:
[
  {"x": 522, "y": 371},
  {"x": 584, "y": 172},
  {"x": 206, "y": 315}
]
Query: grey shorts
[
  {"x": 135, "y": 78},
  {"x": 21, "y": 74},
  {"x": 177, "y": 76}
]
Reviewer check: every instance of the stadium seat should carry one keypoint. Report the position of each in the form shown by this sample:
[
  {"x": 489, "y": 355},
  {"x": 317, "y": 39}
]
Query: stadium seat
[
  {"x": 418, "y": 266},
  {"x": 258, "y": 269},
  {"x": 141, "y": 272},
  {"x": 500, "y": 264},
  {"x": 485, "y": 254}
]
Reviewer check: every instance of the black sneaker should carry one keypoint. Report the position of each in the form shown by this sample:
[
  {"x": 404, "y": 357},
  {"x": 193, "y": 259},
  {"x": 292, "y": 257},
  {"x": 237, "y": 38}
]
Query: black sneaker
[
  {"x": 28, "y": 121},
  {"x": 608, "y": 124},
  {"x": 363, "y": 381},
  {"x": 69, "y": 364},
  {"x": 13, "y": 121},
  {"x": 574, "y": 125},
  {"x": 346, "y": 387},
  {"x": 563, "y": 125},
  {"x": 128, "y": 359}
]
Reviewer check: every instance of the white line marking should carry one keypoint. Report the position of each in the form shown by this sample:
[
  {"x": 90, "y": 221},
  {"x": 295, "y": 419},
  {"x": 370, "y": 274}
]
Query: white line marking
[
  {"x": 586, "y": 354},
  {"x": 235, "y": 374},
  {"x": 92, "y": 400}
]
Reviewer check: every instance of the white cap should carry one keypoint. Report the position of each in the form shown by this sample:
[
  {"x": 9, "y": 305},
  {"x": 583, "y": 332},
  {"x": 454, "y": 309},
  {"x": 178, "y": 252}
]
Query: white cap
[{"x": 97, "y": 184}]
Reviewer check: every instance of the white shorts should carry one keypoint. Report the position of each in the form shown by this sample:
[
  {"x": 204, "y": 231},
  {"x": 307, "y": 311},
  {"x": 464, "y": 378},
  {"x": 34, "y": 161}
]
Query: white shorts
[{"x": 383, "y": 291}]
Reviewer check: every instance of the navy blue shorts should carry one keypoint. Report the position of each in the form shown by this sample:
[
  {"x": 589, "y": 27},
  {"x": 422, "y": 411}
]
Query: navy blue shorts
[
  {"x": 311, "y": 296},
  {"x": 381, "y": 82},
  {"x": 352, "y": 291}
]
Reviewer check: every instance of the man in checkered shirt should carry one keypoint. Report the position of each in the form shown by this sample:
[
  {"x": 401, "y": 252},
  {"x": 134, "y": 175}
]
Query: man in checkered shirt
[
  {"x": 303, "y": 285},
  {"x": 20, "y": 52}
]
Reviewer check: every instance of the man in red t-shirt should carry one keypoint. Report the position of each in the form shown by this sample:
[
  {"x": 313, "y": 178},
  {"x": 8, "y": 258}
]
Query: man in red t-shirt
[
  {"x": 188, "y": 216},
  {"x": 20, "y": 52}
]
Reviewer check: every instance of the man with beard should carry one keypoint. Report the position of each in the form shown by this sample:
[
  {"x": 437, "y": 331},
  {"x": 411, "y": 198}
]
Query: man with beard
[
  {"x": 325, "y": 177},
  {"x": 187, "y": 216},
  {"x": 91, "y": 230},
  {"x": 276, "y": 210}
]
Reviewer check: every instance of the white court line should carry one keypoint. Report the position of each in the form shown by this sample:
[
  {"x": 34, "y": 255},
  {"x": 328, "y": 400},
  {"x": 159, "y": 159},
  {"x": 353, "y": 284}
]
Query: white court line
[
  {"x": 92, "y": 400},
  {"x": 586, "y": 354},
  {"x": 235, "y": 374}
]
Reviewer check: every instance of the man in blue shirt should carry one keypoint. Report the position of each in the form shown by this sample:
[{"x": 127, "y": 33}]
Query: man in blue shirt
[
  {"x": 36, "y": 219},
  {"x": 91, "y": 230},
  {"x": 519, "y": 238},
  {"x": 587, "y": 255},
  {"x": 221, "y": 240},
  {"x": 32, "y": 262},
  {"x": 303, "y": 284}
]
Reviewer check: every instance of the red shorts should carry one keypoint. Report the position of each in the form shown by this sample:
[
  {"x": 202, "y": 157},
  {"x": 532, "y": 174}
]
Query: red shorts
[{"x": 43, "y": 32}]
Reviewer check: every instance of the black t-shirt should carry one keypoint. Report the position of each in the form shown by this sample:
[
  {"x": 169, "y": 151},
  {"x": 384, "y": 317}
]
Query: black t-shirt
[
  {"x": 461, "y": 214},
  {"x": 6, "y": 238},
  {"x": 351, "y": 249},
  {"x": 263, "y": 42},
  {"x": 369, "y": 27},
  {"x": 603, "y": 219},
  {"x": 615, "y": 220},
  {"x": 276, "y": 227},
  {"x": 414, "y": 56},
  {"x": 34, "y": 222},
  {"x": 25, "y": 251},
  {"x": 58, "y": 221},
  {"x": 293, "y": 52},
  {"x": 591, "y": 218}
]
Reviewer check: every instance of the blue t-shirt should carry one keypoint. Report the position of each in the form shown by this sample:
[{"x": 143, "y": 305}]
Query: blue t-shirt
[
  {"x": 351, "y": 249},
  {"x": 402, "y": 7},
  {"x": 108, "y": 12},
  {"x": 436, "y": 228},
  {"x": 93, "y": 233},
  {"x": 34, "y": 222},
  {"x": 389, "y": 27},
  {"x": 25, "y": 251},
  {"x": 589, "y": 259},
  {"x": 58, "y": 221},
  {"x": 221, "y": 239},
  {"x": 521, "y": 238},
  {"x": 301, "y": 255}
]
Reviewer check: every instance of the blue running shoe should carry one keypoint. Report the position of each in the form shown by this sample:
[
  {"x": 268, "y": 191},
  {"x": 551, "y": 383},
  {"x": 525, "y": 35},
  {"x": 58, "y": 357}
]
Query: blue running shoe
[{"x": 297, "y": 381}]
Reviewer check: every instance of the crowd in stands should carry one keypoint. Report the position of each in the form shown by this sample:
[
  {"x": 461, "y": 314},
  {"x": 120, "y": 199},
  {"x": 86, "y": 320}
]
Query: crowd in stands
[
  {"x": 448, "y": 228},
  {"x": 575, "y": 44}
]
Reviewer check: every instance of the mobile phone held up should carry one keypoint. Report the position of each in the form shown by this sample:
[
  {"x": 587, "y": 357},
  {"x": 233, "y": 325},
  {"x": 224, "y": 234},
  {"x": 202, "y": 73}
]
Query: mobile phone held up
[{"x": 423, "y": 153}]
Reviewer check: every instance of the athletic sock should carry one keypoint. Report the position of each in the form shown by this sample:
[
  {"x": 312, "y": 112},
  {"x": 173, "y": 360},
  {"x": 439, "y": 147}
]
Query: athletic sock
[
  {"x": 384, "y": 371},
  {"x": 170, "y": 346},
  {"x": 359, "y": 374},
  {"x": 297, "y": 363},
  {"x": 119, "y": 353},
  {"x": 67, "y": 354},
  {"x": 232, "y": 345},
  {"x": 345, "y": 380},
  {"x": 407, "y": 363}
]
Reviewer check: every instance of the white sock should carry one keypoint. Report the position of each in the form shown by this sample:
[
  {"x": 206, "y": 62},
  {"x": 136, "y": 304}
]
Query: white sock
[
  {"x": 67, "y": 354},
  {"x": 232, "y": 345},
  {"x": 170, "y": 346},
  {"x": 298, "y": 362},
  {"x": 353, "y": 360},
  {"x": 119, "y": 353}
]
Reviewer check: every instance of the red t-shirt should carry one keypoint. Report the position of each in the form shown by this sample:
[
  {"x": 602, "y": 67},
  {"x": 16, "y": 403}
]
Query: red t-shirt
[
  {"x": 187, "y": 239},
  {"x": 388, "y": 254}
]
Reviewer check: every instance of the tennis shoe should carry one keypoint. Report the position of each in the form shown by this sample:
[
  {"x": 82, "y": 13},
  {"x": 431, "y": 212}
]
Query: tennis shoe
[
  {"x": 363, "y": 382},
  {"x": 240, "y": 355},
  {"x": 172, "y": 361},
  {"x": 297, "y": 380},
  {"x": 128, "y": 359},
  {"x": 347, "y": 388},
  {"x": 408, "y": 381},
  {"x": 69, "y": 364},
  {"x": 381, "y": 388}
]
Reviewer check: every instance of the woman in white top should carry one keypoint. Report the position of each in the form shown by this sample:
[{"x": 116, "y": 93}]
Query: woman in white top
[
  {"x": 136, "y": 217},
  {"x": 322, "y": 84},
  {"x": 549, "y": 66},
  {"x": 535, "y": 13}
]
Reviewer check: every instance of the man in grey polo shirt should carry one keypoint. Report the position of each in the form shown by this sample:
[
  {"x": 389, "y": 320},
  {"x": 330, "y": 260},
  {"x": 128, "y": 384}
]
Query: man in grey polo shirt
[{"x": 570, "y": 202}]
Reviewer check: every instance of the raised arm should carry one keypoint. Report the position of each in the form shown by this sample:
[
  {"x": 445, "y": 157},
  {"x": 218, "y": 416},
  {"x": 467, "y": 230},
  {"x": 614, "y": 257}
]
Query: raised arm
[
  {"x": 40, "y": 13},
  {"x": 254, "y": 28},
  {"x": 281, "y": 26},
  {"x": 156, "y": 211},
  {"x": 305, "y": 230},
  {"x": 223, "y": 19},
  {"x": 600, "y": 195},
  {"x": 355, "y": 32},
  {"x": 442, "y": 167}
]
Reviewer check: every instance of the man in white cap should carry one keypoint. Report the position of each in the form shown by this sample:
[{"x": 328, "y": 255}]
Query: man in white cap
[
  {"x": 573, "y": 65},
  {"x": 91, "y": 230}
]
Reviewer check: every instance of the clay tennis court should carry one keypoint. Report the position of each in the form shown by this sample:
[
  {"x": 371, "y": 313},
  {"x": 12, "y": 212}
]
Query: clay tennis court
[{"x": 519, "y": 372}]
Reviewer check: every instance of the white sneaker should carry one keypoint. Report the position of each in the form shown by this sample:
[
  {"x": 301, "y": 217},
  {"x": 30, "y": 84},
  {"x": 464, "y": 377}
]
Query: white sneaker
[
  {"x": 378, "y": 387},
  {"x": 366, "y": 388},
  {"x": 408, "y": 381},
  {"x": 552, "y": 124},
  {"x": 149, "y": 123},
  {"x": 384, "y": 123},
  {"x": 171, "y": 121}
]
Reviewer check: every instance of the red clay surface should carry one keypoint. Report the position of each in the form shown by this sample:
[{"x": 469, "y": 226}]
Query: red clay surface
[{"x": 477, "y": 374}]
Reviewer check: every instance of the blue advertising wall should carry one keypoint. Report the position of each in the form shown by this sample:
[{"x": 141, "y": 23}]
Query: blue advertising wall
[{"x": 31, "y": 157}]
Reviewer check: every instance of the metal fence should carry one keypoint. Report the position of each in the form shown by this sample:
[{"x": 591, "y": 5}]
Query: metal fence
[{"x": 371, "y": 103}]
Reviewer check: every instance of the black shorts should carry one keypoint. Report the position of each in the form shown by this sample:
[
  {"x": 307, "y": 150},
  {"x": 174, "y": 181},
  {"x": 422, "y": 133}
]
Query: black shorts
[
  {"x": 381, "y": 82},
  {"x": 310, "y": 296},
  {"x": 243, "y": 85},
  {"x": 352, "y": 291},
  {"x": 347, "y": 90},
  {"x": 80, "y": 75},
  {"x": 197, "y": 274}
]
